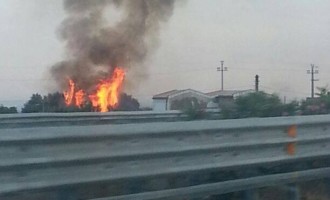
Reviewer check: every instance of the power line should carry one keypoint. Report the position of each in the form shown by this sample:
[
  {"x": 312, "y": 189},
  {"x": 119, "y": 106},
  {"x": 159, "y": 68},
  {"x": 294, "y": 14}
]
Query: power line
[
  {"x": 182, "y": 72},
  {"x": 283, "y": 90}
]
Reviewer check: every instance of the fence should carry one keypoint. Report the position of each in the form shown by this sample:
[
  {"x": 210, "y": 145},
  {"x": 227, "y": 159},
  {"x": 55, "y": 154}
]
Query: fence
[
  {"x": 60, "y": 119},
  {"x": 162, "y": 160}
]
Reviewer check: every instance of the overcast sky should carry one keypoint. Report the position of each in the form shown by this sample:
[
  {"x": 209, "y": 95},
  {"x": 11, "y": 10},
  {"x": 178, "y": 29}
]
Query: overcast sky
[{"x": 277, "y": 39}]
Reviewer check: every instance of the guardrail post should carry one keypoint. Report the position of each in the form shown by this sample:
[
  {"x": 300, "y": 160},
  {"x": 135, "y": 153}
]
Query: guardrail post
[
  {"x": 293, "y": 192},
  {"x": 327, "y": 185},
  {"x": 251, "y": 194},
  {"x": 67, "y": 194}
]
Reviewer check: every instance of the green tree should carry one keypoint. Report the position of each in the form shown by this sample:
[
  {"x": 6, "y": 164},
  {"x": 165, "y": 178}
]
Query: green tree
[
  {"x": 323, "y": 91},
  {"x": 7, "y": 110},
  {"x": 35, "y": 104},
  {"x": 191, "y": 106},
  {"x": 259, "y": 104},
  {"x": 313, "y": 107},
  {"x": 229, "y": 110},
  {"x": 319, "y": 105},
  {"x": 324, "y": 98},
  {"x": 54, "y": 102},
  {"x": 291, "y": 108}
]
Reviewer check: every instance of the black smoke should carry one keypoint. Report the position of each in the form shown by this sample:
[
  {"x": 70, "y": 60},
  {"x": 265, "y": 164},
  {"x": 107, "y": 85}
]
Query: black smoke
[{"x": 95, "y": 48}]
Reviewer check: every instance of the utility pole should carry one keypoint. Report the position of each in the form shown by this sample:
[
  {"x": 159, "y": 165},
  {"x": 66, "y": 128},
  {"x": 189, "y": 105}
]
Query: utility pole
[
  {"x": 257, "y": 83},
  {"x": 312, "y": 71},
  {"x": 222, "y": 69}
]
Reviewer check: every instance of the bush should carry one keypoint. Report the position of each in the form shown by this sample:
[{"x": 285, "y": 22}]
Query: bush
[
  {"x": 191, "y": 107},
  {"x": 7, "y": 110},
  {"x": 259, "y": 104}
]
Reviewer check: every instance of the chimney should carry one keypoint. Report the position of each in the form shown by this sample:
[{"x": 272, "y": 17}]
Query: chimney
[{"x": 257, "y": 83}]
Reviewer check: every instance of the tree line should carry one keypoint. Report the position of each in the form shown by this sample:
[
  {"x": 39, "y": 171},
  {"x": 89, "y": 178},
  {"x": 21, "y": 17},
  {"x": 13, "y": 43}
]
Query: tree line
[
  {"x": 257, "y": 104},
  {"x": 54, "y": 102},
  {"x": 261, "y": 104}
]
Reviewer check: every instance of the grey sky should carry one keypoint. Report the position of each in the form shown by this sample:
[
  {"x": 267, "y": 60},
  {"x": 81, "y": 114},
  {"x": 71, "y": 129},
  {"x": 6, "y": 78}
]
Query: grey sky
[{"x": 276, "y": 39}]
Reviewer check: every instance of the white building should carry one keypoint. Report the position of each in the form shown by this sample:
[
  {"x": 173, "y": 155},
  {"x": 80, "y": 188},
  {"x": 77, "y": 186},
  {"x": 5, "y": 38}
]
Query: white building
[
  {"x": 228, "y": 94},
  {"x": 163, "y": 101},
  {"x": 224, "y": 97},
  {"x": 212, "y": 100}
]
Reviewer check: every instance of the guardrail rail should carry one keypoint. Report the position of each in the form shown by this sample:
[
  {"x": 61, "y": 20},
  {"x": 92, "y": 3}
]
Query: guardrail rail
[
  {"x": 88, "y": 118},
  {"x": 162, "y": 160}
]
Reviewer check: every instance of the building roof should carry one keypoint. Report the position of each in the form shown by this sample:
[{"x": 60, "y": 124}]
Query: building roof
[
  {"x": 172, "y": 93},
  {"x": 165, "y": 95},
  {"x": 221, "y": 93},
  {"x": 226, "y": 93}
]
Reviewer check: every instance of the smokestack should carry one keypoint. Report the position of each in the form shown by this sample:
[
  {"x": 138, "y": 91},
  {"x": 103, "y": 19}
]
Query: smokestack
[
  {"x": 95, "y": 48},
  {"x": 257, "y": 83}
]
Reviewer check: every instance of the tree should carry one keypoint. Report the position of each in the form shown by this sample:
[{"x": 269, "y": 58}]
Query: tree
[
  {"x": 127, "y": 103},
  {"x": 291, "y": 108},
  {"x": 35, "y": 104},
  {"x": 229, "y": 110},
  {"x": 324, "y": 96},
  {"x": 7, "y": 110},
  {"x": 191, "y": 106},
  {"x": 313, "y": 106},
  {"x": 323, "y": 91},
  {"x": 54, "y": 102},
  {"x": 259, "y": 104},
  {"x": 319, "y": 105}
]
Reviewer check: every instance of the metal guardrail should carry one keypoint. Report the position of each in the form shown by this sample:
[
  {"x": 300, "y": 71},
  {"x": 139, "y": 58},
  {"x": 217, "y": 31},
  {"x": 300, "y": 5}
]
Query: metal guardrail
[
  {"x": 88, "y": 118},
  {"x": 204, "y": 190},
  {"x": 143, "y": 156}
]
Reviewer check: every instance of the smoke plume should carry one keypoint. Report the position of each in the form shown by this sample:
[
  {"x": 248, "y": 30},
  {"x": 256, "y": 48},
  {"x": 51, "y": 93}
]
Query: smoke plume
[{"x": 95, "y": 48}]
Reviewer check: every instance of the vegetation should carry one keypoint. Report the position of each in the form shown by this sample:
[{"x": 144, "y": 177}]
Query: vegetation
[
  {"x": 190, "y": 106},
  {"x": 7, "y": 110},
  {"x": 128, "y": 103},
  {"x": 35, "y": 104},
  {"x": 258, "y": 104},
  {"x": 319, "y": 105},
  {"x": 54, "y": 102}
]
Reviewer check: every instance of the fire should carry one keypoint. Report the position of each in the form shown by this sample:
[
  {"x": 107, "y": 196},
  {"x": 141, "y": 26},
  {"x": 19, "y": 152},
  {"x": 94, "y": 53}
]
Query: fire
[
  {"x": 79, "y": 97},
  {"x": 108, "y": 91},
  {"x": 105, "y": 96},
  {"x": 69, "y": 94}
]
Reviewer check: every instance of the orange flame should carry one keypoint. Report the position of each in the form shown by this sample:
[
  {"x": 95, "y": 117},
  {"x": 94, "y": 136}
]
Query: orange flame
[
  {"x": 79, "y": 98},
  {"x": 106, "y": 95},
  {"x": 107, "y": 92},
  {"x": 69, "y": 94}
]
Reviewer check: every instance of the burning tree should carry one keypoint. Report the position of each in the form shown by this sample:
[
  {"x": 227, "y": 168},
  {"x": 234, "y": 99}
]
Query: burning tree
[
  {"x": 99, "y": 54},
  {"x": 56, "y": 102},
  {"x": 127, "y": 103},
  {"x": 105, "y": 96}
]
